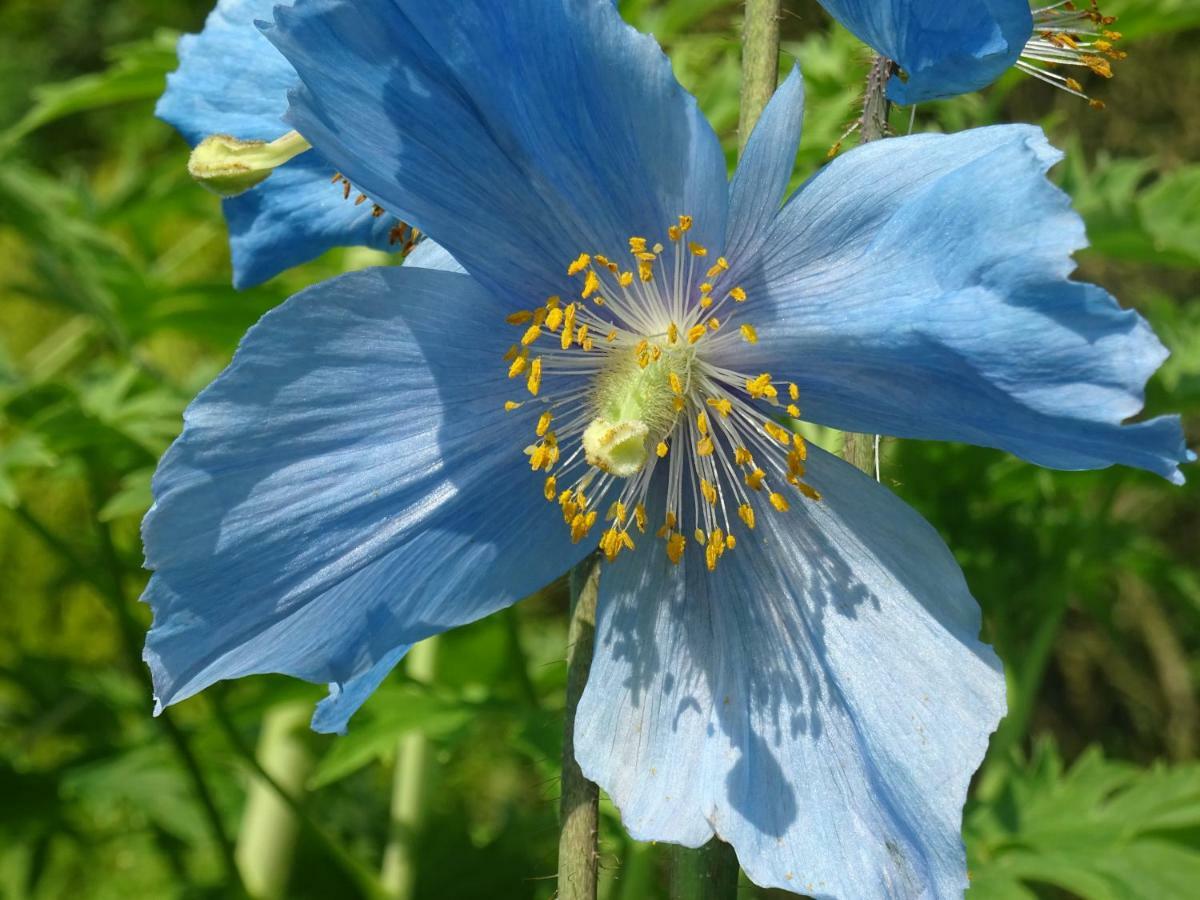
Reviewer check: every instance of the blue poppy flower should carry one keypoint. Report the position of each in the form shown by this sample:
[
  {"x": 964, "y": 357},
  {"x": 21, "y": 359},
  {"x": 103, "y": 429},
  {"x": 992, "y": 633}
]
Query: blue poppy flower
[
  {"x": 949, "y": 47},
  {"x": 232, "y": 81},
  {"x": 786, "y": 655}
]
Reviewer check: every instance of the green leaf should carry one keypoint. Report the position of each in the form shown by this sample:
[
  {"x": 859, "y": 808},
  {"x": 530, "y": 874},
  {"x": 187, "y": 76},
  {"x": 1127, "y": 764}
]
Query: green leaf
[
  {"x": 391, "y": 713},
  {"x": 137, "y": 72},
  {"x": 1102, "y": 830},
  {"x": 1170, "y": 210}
]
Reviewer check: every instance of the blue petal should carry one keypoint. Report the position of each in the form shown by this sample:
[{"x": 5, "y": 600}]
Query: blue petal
[
  {"x": 945, "y": 47},
  {"x": 820, "y": 701},
  {"x": 431, "y": 255},
  {"x": 416, "y": 103},
  {"x": 232, "y": 81},
  {"x": 334, "y": 712},
  {"x": 348, "y": 486},
  {"x": 920, "y": 287},
  {"x": 763, "y": 173}
]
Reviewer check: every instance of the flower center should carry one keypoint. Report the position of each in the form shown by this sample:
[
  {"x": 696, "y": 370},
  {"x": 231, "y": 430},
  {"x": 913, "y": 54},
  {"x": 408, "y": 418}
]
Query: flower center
[
  {"x": 637, "y": 380},
  {"x": 1066, "y": 35}
]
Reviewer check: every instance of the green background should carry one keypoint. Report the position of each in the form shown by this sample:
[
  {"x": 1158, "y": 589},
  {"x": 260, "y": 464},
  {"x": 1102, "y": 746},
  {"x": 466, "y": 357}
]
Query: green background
[{"x": 115, "y": 308}]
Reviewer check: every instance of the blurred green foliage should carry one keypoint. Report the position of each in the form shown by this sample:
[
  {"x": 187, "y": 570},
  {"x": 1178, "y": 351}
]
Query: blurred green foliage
[{"x": 116, "y": 308}]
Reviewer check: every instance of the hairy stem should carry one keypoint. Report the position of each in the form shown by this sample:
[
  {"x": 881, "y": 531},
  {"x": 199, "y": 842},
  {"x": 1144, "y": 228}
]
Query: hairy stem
[
  {"x": 580, "y": 804},
  {"x": 760, "y": 63},
  {"x": 859, "y": 449}
]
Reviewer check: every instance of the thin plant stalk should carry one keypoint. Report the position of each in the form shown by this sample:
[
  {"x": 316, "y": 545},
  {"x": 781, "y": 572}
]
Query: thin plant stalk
[
  {"x": 410, "y": 789},
  {"x": 579, "y": 808}
]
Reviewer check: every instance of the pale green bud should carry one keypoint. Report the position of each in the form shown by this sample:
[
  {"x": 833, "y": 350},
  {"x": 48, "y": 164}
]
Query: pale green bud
[{"x": 229, "y": 166}]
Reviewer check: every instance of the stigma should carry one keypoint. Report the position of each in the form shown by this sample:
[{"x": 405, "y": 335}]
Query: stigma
[
  {"x": 1071, "y": 35},
  {"x": 633, "y": 388}
]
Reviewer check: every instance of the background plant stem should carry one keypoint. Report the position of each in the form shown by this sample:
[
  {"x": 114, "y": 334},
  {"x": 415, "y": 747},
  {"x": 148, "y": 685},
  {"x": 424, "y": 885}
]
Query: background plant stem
[
  {"x": 580, "y": 803},
  {"x": 410, "y": 787}
]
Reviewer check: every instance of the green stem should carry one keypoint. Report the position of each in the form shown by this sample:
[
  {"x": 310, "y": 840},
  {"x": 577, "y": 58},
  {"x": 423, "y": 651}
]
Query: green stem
[
  {"x": 267, "y": 840},
  {"x": 760, "y": 63},
  {"x": 410, "y": 786},
  {"x": 362, "y": 877},
  {"x": 580, "y": 804},
  {"x": 859, "y": 449},
  {"x": 109, "y": 585}
]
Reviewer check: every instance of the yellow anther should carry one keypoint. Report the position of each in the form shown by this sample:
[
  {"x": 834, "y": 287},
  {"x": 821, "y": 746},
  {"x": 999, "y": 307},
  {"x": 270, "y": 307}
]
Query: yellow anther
[
  {"x": 700, "y": 536},
  {"x": 761, "y": 387},
  {"x": 520, "y": 317},
  {"x": 712, "y": 553},
  {"x": 511, "y": 353},
  {"x": 531, "y": 334},
  {"x": 646, "y": 271},
  {"x": 553, "y": 302},
  {"x": 518, "y": 365},
  {"x": 730, "y": 542},
  {"x": 579, "y": 528},
  {"x": 539, "y": 315},
  {"x": 672, "y": 333},
  {"x": 543, "y": 424},
  {"x": 714, "y": 323},
  {"x": 705, "y": 447},
  {"x": 685, "y": 223},
  {"x": 550, "y": 489},
  {"x": 581, "y": 337},
  {"x": 534, "y": 382},
  {"x": 581, "y": 262},
  {"x": 661, "y": 449},
  {"x": 675, "y": 545},
  {"x": 611, "y": 336},
  {"x": 640, "y": 347},
  {"x": 675, "y": 383},
  {"x": 746, "y": 514},
  {"x": 639, "y": 517},
  {"x": 793, "y": 392},
  {"x": 706, "y": 301},
  {"x": 616, "y": 511},
  {"x": 587, "y": 344},
  {"x": 601, "y": 260},
  {"x": 1074, "y": 85},
  {"x": 554, "y": 318},
  {"x": 742, "y": 456},
  {"x": 754, "y": 480},
  {"x": 697, "y": 249},
  {"x": 510, "y": 405},
  {"x": 677, "y": 403},
  {"x": 738, "y": 294},
  {"x": 779, "y": 501},
  {"x": 657, "y": 248},
  {"x": 800, "y": 445},
  {"x": 706, "y": 288},
  {"x": 793, "y": 410},
  {"x": 709, "y": 491},
  {"x": 591, "y": 284},
  {"x": 778, "y": 432},
  {"x": 646, "y": 256},
  {"x": 808, "y": 491},
  {"x": 695, "y": 333},
  {"x": 674, "y": 233},
  {"x": 721, "y": 265},
  {"x": 625, "y": 279},
  {"x": 637, "y": 244},
  {"x": 749, "y": 335},
  {"x": 702, "y": 421},
  {"x": 568, "y": 326},
  {"x": 721, "y": 405}
]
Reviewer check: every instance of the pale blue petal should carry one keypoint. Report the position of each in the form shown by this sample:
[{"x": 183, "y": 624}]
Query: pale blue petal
[
  {"x": 432, "y": 255},
  {"x": 920, "y": 287},
  {"x": 584, "y": 139},
  {"x": 349, "y": 485},
  {"x": 334, "y": 712},
  {"x": 231, "y": 80},
  {"x": 820, "y": 701},
  {"x": 945, "y": 47},
  {"x": 763, "y": 173}
]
